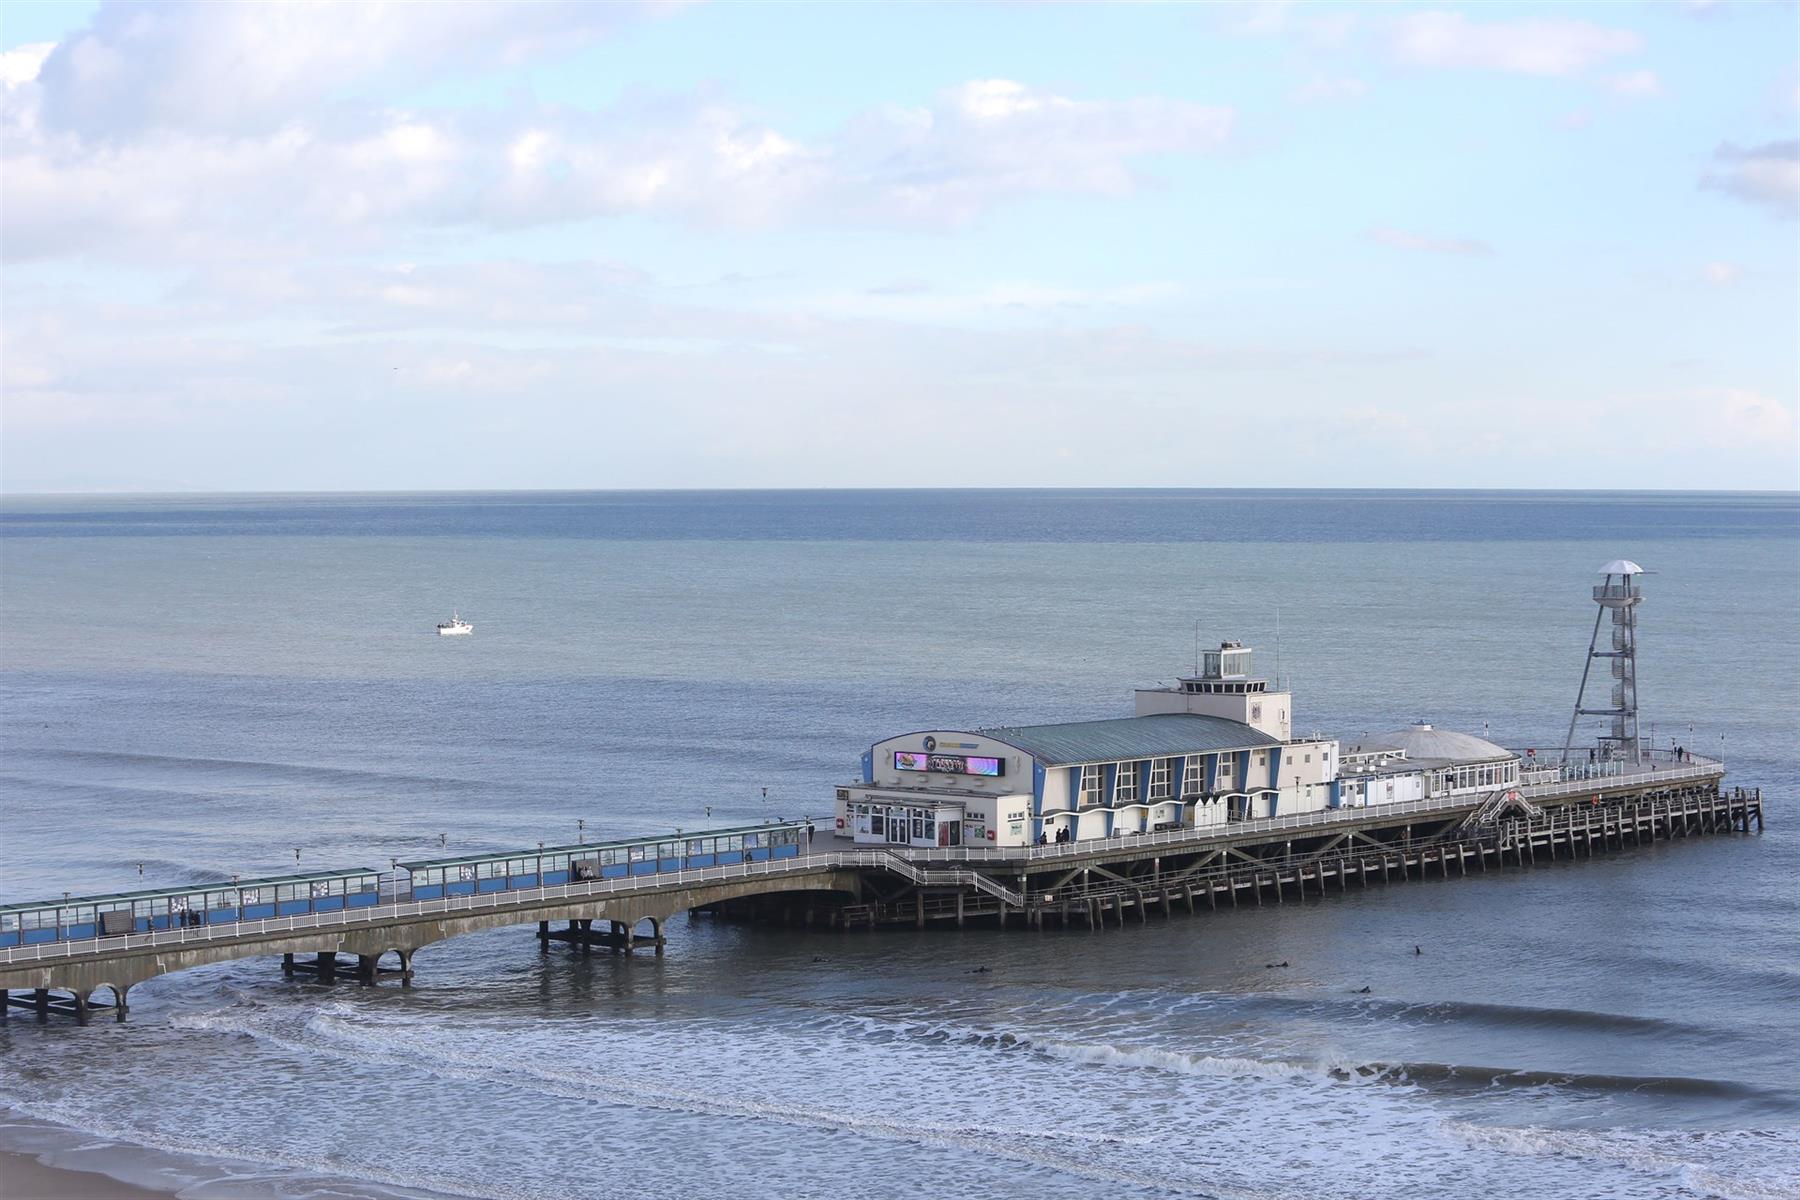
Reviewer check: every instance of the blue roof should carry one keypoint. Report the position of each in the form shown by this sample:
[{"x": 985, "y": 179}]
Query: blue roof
[{"x": 1158, "y": 736}]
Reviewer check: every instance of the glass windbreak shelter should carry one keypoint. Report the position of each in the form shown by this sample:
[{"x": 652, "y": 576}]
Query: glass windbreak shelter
[
  {"x": 503, "y": 871},
  {"x": 81, "y": 917}
]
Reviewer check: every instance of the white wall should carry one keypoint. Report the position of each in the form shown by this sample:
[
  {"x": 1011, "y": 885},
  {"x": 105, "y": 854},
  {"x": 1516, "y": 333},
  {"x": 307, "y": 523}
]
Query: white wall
[{"x": 1269, "y": 712}]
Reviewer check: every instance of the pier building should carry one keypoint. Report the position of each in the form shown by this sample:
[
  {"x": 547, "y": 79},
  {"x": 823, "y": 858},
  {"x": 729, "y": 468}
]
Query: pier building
[
  {"x": 1421, "y": 762},
  {"x": 1216, "y": 748}
]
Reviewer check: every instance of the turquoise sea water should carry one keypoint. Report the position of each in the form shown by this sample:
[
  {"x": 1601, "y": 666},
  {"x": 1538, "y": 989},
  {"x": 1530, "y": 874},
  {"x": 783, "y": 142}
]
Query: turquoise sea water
[{"x": 203, "y": 685}]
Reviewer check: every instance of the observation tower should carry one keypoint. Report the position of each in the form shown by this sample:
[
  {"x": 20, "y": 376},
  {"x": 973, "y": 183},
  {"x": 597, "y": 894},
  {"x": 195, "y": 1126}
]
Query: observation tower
[{"x": 1619, "y": 595}]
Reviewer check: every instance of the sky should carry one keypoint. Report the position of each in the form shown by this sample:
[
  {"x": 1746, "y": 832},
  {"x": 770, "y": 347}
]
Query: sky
[{"x": 278, "y": 247}]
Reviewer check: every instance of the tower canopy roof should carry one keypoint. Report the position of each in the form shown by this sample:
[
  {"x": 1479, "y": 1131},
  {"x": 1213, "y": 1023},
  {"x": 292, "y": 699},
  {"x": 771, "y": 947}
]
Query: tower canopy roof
[{"x": 1621, "y": 566}]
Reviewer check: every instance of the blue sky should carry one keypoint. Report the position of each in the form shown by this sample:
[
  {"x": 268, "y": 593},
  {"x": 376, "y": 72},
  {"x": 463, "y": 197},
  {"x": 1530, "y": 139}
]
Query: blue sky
[{"x": 560, "y": 245}]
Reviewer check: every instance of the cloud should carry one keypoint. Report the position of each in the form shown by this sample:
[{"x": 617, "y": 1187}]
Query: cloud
[
  {"x": 900, "y": 287},
  {"x": 344, "y": 174},
  {"x": 1636, "y": 85},
  {"x": 1288, "y": 18},
  {"x": 1535, "y": 47},
  {"x": 1325, "y": 89},
  {"x": 1738, "y": 417},
  {"x": 1722, "y": 274},
  {"x": 1400, "y": 239},
  {"x": 217, "y": 67},
  {"x": 1767, "y": 176},
  {"x": 22, "y": 64}
]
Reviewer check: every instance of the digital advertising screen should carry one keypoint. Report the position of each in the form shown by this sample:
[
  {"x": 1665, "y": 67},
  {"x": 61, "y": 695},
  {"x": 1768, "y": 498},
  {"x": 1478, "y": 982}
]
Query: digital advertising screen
[{"x": 949, "y": 764}]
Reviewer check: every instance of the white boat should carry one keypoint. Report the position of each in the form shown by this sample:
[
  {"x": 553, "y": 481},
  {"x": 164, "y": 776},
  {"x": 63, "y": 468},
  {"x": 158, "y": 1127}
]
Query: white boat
[{"x": 454, "y": 627}]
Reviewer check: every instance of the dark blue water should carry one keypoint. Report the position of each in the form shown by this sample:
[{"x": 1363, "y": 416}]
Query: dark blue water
[{"x": 204, "y": 685}]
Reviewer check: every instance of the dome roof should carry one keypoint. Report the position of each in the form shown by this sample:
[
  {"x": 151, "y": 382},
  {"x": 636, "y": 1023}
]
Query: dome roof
[
  {"x": 1421, "y": 741},
  {"x": 1621, "y": 566}
]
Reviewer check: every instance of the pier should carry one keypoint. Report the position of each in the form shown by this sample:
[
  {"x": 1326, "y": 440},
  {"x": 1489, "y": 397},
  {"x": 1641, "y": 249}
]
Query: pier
[{"x": 783, "y": 875}]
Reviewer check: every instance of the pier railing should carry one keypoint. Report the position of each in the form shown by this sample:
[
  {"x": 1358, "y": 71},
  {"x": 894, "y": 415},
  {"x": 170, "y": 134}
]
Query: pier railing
[
  {"x": 405, "y": 909},
  {"x": 1699, "y": 768},
  {"x": 913, "y": 865}
]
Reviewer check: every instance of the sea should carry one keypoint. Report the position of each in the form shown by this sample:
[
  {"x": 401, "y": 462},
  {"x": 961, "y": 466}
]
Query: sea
[{"x": 193, "y": 687}]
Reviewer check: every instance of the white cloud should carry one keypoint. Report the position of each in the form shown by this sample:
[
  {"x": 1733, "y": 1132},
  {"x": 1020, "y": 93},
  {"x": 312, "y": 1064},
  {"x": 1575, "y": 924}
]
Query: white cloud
[
  {"x": 1318, "y": 24},
  {"x": 244, "y": 67},
  {"x": 1767, "y": 176},
  {"x": 319, "y": 180},
  {"x": 1534, "y": 47},
  {"x": 1636, "y": 85},
  {"x": 1401, "y": 239},
  {"x": 1722, "y": 274},
  {"x": 1327, "y": 89},
  {"x": 21, "y": 64},
  {"x": 1737, "y": 417}
]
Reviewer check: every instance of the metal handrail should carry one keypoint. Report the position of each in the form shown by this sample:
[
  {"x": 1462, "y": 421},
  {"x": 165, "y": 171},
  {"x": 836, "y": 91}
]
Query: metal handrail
[
  {"x": 907, "y": 864},
  {"x": 376, "y": 914}
]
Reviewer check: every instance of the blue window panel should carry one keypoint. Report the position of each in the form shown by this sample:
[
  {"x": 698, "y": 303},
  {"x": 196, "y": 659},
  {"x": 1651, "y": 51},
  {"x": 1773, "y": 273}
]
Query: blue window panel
[
  {"x": 757, "y": 853},
  {"x": 552, "y": 878},
  {"x": 362, "y": 899},
  {"x": 701, "y": 860},
  {"x": 522, "y": 881},
  {"x": 160, "y": 921},
  {"x": 462, "y": 887},
  {"x": 9, "y": 938},
  {"x": 431, "y": 891},
  {"x": 789, "y": 851},
  {"x": 290, "y": 908},
  {"x": 668, "y": 864},
  {"x": 221, "y": 916},
  {"x": 35, "y": 936},
  {"x": 643, "y": 868},
  {"x": 730, "y": 857},
  {"x": 484, "y": 886},
  {"x": 252, "y": 912},
  {"x": 141, "y": 925},
  {"x": 328, "y": 904},
  {"x": 79, "y": 931},
  {"x": 615, "y": 871}
]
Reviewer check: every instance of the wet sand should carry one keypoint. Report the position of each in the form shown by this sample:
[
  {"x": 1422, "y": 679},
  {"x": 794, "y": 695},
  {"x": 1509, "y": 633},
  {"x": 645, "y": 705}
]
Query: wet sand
[{"x": 23, "y": 1177}]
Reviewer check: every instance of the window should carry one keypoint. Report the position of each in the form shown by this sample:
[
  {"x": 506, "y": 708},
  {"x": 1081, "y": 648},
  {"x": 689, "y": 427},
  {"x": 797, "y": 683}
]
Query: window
[
  {"x": 877, "y": 826},
  {"x": 1093, "y": 786},
  {"x": 1125, "y": 789},
  {"x": 1193, "y": 779},
  {"x": 1159, "y": 779}
]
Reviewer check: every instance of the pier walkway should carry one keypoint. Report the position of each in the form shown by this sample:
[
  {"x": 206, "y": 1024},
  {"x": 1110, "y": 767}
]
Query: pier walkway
[{"x": 1086, "y": 883}]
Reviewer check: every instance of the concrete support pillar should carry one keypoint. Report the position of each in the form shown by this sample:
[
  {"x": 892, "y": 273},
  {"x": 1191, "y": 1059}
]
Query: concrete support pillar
[
  {"x": 656, "y": 928},
  {"x": 287, "y": 964},
  {"x": 40, "y": 999},
  {"x": 919, "y": 910},
  {"x": 5, "y": 1006},
  {"x": 120, "y": 1006},
  {"x": 406, "y": 968},
  {"x": 81, "y": 1007},
  {"x": 959, "y": 912}
]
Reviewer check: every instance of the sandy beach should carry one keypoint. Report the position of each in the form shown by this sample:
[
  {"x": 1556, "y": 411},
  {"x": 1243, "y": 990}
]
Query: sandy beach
[{"x": 23, "y": 1177}]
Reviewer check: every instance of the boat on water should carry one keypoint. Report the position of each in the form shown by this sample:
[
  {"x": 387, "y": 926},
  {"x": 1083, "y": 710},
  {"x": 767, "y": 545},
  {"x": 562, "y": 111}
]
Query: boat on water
[{"x": 455, "y": 627}]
